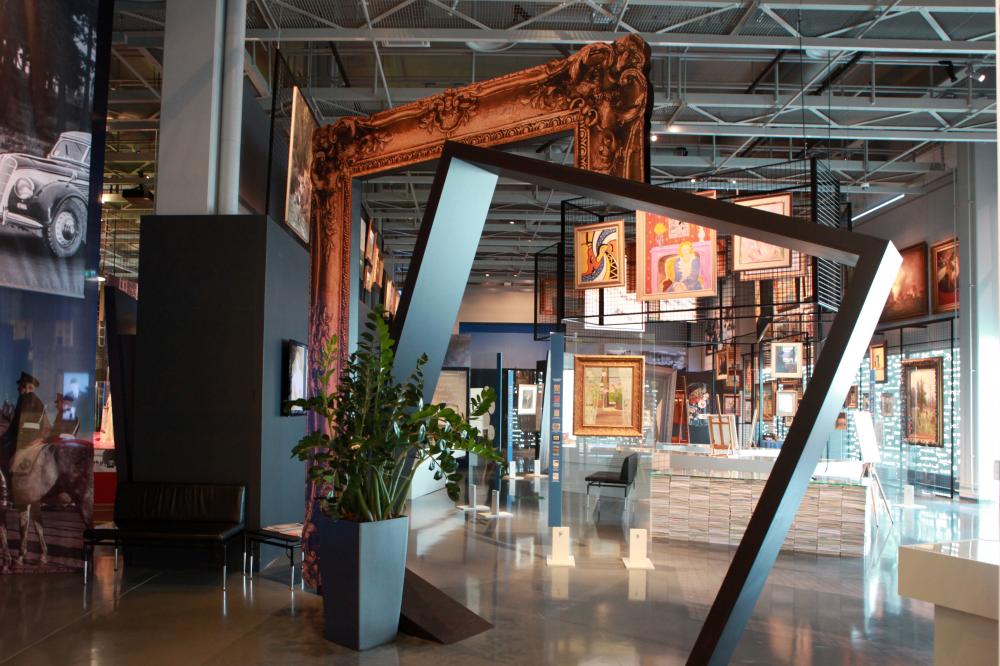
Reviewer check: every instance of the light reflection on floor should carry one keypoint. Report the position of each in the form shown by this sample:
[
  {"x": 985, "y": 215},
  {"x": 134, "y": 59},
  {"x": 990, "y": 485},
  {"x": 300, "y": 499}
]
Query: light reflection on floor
[{"x": 814, "y": 610}]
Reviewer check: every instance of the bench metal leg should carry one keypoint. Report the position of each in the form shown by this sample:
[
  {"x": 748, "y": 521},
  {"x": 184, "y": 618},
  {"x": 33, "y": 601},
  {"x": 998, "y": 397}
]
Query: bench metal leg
[
  {"x": 225, "y": 563},
  {"x": 87, "y": 551},
  {"x": 116, "y": 557},
  {"x": 291, "y": 569}
]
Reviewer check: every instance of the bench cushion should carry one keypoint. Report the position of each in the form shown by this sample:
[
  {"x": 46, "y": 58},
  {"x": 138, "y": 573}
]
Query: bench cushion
[
  {"x": 608, "y": 478},
  {"x": 164, "y": 531}
]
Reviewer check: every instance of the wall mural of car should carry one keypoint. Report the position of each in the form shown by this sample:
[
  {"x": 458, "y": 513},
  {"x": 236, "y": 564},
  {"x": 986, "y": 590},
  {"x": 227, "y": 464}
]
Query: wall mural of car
[{"x": 48, "y": 195}]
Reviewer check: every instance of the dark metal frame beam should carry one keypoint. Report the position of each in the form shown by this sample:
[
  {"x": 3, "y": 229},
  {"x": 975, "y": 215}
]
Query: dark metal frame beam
[{"x": 466, "y": 180}]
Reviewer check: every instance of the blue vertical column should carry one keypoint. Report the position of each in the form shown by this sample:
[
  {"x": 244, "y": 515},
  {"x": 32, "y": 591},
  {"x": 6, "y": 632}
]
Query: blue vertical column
[
  {"x": 500, "y": 417},
  {"x": 510, "y": 422},
  {"x": 557, "y": 347}
]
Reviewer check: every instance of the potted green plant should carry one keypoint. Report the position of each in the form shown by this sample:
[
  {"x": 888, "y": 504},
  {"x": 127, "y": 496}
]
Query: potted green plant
[{"x": 377, "y": 434}]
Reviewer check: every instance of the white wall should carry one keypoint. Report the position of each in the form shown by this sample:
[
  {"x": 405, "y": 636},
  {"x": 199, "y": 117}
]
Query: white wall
[
  {"x": 930, "y": 217},
  {"x": 498, "y": 305}
]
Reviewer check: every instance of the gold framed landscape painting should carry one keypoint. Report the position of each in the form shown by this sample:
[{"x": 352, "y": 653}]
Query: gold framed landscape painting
[
  {"x": 922, "y": 401},
  {"x": 607, "y": 395},
  {"x": 599, "y": 255},
  {"x": 750, "y": 254}
]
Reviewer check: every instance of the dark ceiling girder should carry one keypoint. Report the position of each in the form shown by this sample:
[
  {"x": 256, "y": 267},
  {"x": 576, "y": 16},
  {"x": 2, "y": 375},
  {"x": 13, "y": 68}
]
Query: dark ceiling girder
[{"x": 453, "y": 219}]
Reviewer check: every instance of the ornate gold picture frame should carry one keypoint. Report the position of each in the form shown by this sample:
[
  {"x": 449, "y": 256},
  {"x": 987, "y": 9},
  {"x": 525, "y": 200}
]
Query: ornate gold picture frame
[{"x": 607, "y": 395}]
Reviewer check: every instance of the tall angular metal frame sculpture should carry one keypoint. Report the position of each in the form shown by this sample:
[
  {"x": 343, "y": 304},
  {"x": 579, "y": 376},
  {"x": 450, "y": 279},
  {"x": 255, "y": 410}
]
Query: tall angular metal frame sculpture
[
  {"x": 600, "y": 94},
  {"x": 467, "y": 173}
]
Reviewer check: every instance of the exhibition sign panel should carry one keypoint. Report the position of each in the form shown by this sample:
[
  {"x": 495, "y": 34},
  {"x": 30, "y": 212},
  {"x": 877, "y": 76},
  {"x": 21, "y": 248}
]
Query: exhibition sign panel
[
  {"x": 600, "y": 95},
  {"x": 463, "y": 168},
  {"x": 53, "y": 65}
]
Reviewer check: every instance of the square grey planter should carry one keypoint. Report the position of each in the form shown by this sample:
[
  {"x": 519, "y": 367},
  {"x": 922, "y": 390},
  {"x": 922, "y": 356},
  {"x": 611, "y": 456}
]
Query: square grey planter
[{"x": 362, "y": 566}]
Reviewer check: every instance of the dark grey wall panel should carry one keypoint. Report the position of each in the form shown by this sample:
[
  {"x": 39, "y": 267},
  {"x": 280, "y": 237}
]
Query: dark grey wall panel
[
  {"x": 286, "y": 304},
  {"x": 219, "y": 293}
]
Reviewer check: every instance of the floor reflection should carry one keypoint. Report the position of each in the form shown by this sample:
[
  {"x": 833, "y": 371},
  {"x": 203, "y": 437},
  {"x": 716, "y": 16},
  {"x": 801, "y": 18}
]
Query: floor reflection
[{"x": 813, "y": 610}]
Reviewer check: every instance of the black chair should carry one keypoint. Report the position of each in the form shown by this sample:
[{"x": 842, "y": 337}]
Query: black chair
[{"x": 623, "y": 479}]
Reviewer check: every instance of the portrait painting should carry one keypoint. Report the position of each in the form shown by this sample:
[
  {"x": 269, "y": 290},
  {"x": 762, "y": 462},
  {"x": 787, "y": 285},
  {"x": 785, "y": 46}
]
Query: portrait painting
[
  {"x": 527, "y": 397},
  {"x": 729, "y": 403},
  {"x": 876, "y": 360},
  {"x": 944, "y": 276},
  {"x": 922, "y": 401},
  {"x": 750, "y": 254},
  {"x": 786, "y": 360},
  {"x": 722, "y": 363},
  {"x": 841, "y": 421},
  {"x": 908, "y": 298},
  {"x": 674, "y": 259},
  {"x": 608, "y": 395},
  {"x": 298, "y": 192},
  {"x": 599, "y": 255}
]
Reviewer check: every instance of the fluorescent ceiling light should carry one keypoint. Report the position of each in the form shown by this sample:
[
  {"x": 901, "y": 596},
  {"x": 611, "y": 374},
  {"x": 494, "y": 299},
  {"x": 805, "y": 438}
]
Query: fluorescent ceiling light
[{"x": 875, "y": 208}]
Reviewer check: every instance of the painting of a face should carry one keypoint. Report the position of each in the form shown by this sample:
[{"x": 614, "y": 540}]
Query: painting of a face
[
  {"x": 599, "y": 255},
  {"x": 675, "y": 259}
]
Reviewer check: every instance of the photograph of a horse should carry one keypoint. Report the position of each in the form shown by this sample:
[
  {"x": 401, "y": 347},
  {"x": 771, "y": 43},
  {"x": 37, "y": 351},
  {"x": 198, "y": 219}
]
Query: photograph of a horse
[{"x": 46, "y": 501}]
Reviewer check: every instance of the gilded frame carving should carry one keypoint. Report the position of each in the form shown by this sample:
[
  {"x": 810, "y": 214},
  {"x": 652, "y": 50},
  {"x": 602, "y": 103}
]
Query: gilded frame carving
[{"x": 601, "y": 94}]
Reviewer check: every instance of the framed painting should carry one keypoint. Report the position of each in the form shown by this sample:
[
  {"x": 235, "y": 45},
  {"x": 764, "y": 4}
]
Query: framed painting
[
  {"x": 370, "y": 243},
  {"x": 944, "y": 276},
  {"x": 599, "y": 255},
  {"x": 527, "y": 398},
  {"x": 607, "y": 395},
  {"x": 908, "y": 298},
  {"x": 787, "y": 360},
  {"x": 876, "y": 360},
  {"x": 675, "y": 259},
  {"x": 547, "y": 288},
  {"x": 298, "y": 186},
  {"x": 729, "y": 403},
  {"x": 786, "y": 402},
  {"x": 767, "y": 401},
  {"x": 851, "y": 402},
  {"x": 721, "y": 360},
  {"x": 750, "y": 254},
  {"x": 295, "y": 378},
  {"x": 922, "y": 401},
  {"x": 887, "y": 406},
  {"x": 841, "y": 421}
]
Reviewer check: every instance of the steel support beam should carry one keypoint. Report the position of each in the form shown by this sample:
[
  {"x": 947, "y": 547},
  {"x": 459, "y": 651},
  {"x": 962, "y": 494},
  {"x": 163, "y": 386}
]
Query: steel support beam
[
  {"x": 467, "y": 176},
  {"x": 870, "y": 132}
]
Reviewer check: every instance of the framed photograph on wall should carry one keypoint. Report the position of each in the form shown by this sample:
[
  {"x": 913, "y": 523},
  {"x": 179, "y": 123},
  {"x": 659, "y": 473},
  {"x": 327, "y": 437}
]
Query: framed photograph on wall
[
  {"x": 876, "y": 360},
  {"x": 944, "y": 276},
  {"x": 750, "y": 254},
  {"x": 599, "y": 255},
  {"x": 923, "y": 422},
  {"x": 298, "y": 187},
  {"x": 908, "y": 298},
  {"x": 787, "y": 360},
  {"x": 607, "y": 395},
  {"x": 675, "y": 259},
  {"x": 295, "y": 377},
  {"x": 527, "y": 399}
]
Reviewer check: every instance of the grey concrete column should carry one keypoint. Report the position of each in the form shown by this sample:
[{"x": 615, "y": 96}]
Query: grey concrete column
[
  {"x": 232, "y": 107},
  {"x": 979, "y": 258},
  {"x": 188, "y": 161}
]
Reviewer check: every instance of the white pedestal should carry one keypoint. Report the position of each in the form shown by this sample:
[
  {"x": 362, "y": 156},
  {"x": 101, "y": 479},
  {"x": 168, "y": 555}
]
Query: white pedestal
[
  {"x": 472, "y": 506},
  {"x": 512, "y": 472},
  {"x": 637, "y": 558},
  {"x": 908, "y": 500},
  {"x": 637, "y": 585},
  {"x": 495, "y": 512},
  {"x": 560, "y": 556},
  {"x": 961, "y": 579}
]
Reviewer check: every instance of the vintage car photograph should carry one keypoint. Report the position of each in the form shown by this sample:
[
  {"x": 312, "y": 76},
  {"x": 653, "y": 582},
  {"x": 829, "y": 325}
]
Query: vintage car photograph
[{"x": 48, "y": 195}]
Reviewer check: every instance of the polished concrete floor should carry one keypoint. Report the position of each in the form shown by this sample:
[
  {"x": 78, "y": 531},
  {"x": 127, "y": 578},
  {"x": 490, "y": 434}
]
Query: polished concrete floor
[{"x": 814, "y": 610}]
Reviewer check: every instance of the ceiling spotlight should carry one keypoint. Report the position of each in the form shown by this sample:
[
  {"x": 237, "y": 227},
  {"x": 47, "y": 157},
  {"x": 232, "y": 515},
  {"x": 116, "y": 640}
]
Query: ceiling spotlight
[
  {"x": 694, "y": 180},
  {"x": 487, "y": 275},
  {"x": 980, "y": 76},
  {"x": 673, "y": 129},
  {"x": 653, "y": 137},
  {"x": 512, "y": 221}
]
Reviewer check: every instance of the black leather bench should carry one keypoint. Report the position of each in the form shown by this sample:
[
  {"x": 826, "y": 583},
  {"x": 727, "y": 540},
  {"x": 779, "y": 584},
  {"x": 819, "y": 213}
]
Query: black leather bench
[
  {"x": 622, "y": 479},
  {"x": 171, "y": 514}
]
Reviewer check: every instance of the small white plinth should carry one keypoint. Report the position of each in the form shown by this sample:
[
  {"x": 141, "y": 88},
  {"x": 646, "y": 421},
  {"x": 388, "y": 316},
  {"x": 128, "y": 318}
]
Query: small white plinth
[
  {"x": 560, "y": 556},
  {"x": 637, "y": 558},
  {"x": 472, "y": 507},
  {"x": 512, "y": 477},
  {"x": 498, "y": 515}
]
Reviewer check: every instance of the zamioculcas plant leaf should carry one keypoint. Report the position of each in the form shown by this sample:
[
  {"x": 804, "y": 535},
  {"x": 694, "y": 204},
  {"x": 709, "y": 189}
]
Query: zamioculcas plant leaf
[{"x": 378, "y": 433}]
